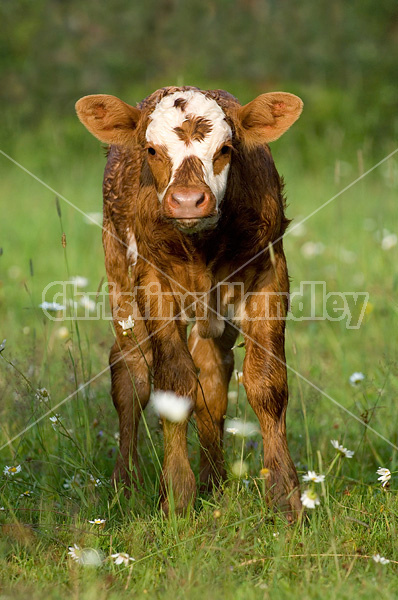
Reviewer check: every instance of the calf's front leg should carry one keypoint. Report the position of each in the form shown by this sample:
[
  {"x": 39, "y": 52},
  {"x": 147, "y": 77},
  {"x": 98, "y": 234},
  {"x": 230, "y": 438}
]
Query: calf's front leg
[
  {"x": 174, "y": 371},
  {"x": 265, "y": 381}
]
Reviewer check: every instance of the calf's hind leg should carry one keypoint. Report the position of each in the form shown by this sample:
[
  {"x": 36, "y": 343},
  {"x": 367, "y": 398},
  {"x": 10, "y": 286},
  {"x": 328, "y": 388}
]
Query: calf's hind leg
[{"x": 214, "y": 359}]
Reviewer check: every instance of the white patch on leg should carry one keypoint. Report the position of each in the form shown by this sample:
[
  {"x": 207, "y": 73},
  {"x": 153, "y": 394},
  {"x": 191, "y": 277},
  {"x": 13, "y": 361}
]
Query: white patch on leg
[
  {"x": 166, "y": 117},
  {"x": 132, "y": 250}
]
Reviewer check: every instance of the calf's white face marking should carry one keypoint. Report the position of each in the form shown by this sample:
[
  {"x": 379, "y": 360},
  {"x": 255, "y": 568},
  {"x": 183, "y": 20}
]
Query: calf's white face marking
[{"x": 167, "y": 117}]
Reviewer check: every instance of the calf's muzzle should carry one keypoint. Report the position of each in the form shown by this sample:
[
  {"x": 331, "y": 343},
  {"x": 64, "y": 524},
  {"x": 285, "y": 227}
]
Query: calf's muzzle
[{"x": 189, "y": 203}]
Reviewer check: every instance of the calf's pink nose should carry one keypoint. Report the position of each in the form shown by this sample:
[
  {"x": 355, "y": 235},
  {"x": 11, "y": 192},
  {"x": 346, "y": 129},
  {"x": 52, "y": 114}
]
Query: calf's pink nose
[{"x": 188, "y": 204}]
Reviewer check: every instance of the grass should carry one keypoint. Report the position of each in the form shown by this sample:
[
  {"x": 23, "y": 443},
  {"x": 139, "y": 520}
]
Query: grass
[{"x": 229, "y": 545}]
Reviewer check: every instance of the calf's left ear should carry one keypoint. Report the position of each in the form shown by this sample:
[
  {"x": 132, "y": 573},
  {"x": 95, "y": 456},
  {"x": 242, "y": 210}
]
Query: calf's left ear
[{"x": 268, "y": 116}]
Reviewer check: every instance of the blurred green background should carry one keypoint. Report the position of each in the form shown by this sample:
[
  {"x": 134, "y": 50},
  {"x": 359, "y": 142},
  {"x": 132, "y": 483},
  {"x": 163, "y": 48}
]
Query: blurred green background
[{"x": 341, "y": 56}]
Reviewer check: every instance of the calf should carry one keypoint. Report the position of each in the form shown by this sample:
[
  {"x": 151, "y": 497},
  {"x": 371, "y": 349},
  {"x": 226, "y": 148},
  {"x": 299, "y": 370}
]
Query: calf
[{"x": 192, "y": 203}]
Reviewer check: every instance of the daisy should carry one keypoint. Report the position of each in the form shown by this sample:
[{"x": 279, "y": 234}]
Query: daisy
[
  {"x": 242, "y": 428},
  {"x": 27, "y": 494},
  {"x": 299, "y": 229},
  {"x": 12, "y": 470},
  {"x": 98, "y": 522},
  {"x": 171, "y": 407},
  {"x": 380, "y": 559},
  {"x": 75, "y": 552},
  {"x": 311, "y": 249},
  {"x": 63, "y": 333},
  {"x": 96, "y": 482},
  {"x": 310, "y": 499},
  {"x": 2, "y": 508},
  {"x": 87, "y": 303},
  {"x": 239, "y": 468},
  {"x": 73, "y": 482},
  {"x": 239, "y": 376},
  {"x": 341, "y": 449},
  {"x": 385, "y": 475},
  {"x": 52, "y": 306},
  {"x": 93, "y": 218},
  {"x": 42, "y": 395},
  {"x": 55, "y": 421},
  {"x": 356, "y": 378},
  {"x": 122, "y": 557},
  {"x": 389, "y": 241},
  {"x": 127, "y": 324},
  {"x": 79, "y": 282},
  {"x": 312, "y": 476}
]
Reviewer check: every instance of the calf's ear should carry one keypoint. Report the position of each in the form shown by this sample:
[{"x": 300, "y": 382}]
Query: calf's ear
[
  {"x": 109, "y": 119},
  {"x": 268, "y": 116}
]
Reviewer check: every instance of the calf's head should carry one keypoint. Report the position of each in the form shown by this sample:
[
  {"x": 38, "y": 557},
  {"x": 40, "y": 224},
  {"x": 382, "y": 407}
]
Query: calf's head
[{"x": 189, "y": 139}]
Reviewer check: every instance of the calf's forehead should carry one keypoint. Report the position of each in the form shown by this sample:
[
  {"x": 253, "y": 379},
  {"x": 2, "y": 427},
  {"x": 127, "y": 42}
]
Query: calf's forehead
[{"x": 168, "y": 126}]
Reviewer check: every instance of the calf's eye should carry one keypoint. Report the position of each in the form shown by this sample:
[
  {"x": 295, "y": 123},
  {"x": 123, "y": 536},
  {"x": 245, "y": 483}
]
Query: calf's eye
[
  {"x": 225, "y": 149},
  {"x": 151, "y": 151}
]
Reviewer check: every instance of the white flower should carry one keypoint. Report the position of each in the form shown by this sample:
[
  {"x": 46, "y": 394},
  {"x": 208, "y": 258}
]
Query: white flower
[
  {"x": 312, "y": 476},
  {"x": 96, "y": 482},
  {"x": 75, "y": 552},
  {"x": 27, "y": 494},
  {"x": 341, "y": 449},
  {"x": 389, "y": 241},
  {"x": 63, "y": 333},
  {"x": 55, "y": 421},
  {"x": 171, "y": 407},
  {"x": 52, "y": 306},
  {"x": 356, "y": 378},
  {"x": 79, "y": 282},
  {"x": 311, "y": 249},
  {"x": 310, "y": 499},
  {"x": 127, "y": 324},
  {"x": 87, "y": 303},
  {"x": 98, "y": 522},
  {"x": 122, "y": 557},
  {"x": 239, "y": 376},
  {"x": 73, "y": 482},
  {"x": 241, "y": 428},
  {"x": 298, "y": 229},
  {"x": 12, "y": 470},
  {"x": 380, "y": 559},
  {"x": 232, "y": 396},
  {"x": 89, "y": 557},
  {"x": 239, "y": 468},
  {"x": 72, "y": 303},
  {"x": 93, "y": 218},
  {"x": 2, "y": 508},
  {"x": 42, "y": 395},
  {"x": 116, "y": 436},
  {"x": 385, "y": 475},
  {"x": 232, "y": 430}
]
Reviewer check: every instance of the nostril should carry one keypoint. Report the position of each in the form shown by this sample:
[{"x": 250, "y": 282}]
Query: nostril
[{"x": 200, "y": 200}]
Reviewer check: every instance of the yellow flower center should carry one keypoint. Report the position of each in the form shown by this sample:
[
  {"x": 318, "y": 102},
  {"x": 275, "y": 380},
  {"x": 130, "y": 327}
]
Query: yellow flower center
[{"x": 265, "y": 472}]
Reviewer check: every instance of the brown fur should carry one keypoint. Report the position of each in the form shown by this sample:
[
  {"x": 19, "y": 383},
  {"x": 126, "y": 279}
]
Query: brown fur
[
  {"x": 194, "y": 129},
  {"x": 252, "y": 216}
]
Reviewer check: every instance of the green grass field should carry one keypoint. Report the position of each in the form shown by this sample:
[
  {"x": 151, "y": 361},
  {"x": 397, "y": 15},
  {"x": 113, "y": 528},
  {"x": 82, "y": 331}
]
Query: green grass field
[{"x": 230, "y": 545}]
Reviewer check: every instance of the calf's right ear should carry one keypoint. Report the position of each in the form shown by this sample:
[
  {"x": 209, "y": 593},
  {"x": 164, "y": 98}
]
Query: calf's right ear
[{"x": 109, "y": 119}]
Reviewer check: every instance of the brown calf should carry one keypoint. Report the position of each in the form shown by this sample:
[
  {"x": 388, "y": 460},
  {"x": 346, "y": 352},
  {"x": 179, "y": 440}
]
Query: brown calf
[{"x": 192, "y": 200}]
